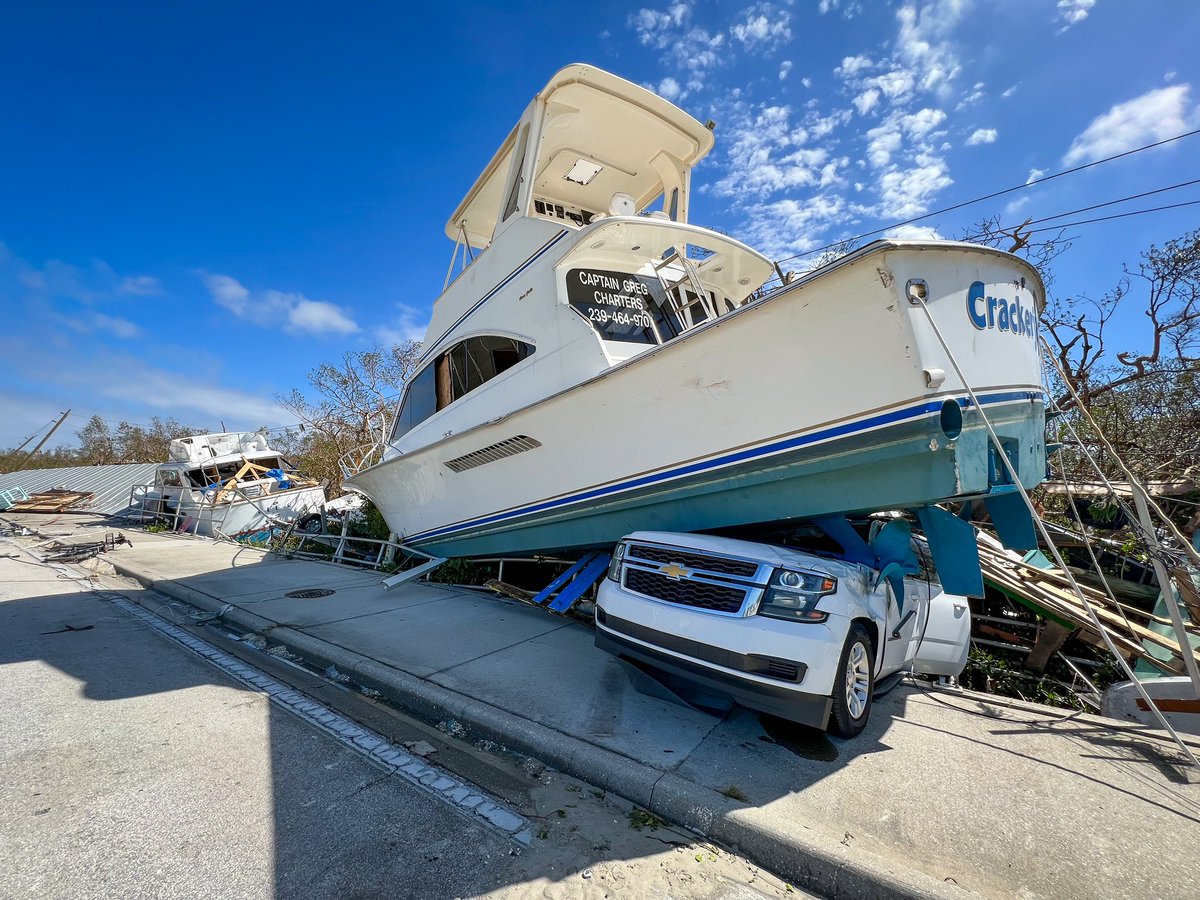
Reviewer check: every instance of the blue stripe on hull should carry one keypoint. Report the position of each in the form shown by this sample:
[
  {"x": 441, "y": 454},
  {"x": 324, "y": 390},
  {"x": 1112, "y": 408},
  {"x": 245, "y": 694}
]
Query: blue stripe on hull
[{"x": 892, "y": 468}]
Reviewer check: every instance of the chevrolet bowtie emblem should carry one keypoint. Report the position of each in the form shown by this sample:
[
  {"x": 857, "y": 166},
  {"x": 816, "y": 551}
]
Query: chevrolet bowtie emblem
[{"x": 674, "y": 571}]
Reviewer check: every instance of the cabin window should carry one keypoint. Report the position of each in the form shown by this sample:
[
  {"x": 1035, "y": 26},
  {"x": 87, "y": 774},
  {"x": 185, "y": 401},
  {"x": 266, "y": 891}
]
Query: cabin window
[
  {"x": 169, "y": 478},
  {"x": 475, "y": 361},
  {"x": 673, "y": 212},
  {"x": 420, "y": 401},
  {"x": 455, "y": 373}
]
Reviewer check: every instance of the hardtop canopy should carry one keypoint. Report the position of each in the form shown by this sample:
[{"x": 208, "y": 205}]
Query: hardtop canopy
[{"x": 592, "y": 134}]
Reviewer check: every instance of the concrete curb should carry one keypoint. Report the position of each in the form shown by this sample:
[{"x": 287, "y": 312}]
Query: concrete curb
[{"x": 812, "y": 860}]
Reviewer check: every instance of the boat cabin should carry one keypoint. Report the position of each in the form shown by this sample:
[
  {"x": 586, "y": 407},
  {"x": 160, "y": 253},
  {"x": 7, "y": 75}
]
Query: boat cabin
[{"x": 573, "y": 253}]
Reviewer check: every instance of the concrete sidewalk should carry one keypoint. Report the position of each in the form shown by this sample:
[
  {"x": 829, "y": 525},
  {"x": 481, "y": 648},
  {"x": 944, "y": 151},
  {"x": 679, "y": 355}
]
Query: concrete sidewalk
[{"x": 944, "y": 791}]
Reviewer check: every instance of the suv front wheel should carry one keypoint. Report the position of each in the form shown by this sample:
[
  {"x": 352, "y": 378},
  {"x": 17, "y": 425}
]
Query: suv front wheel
[{"x": 855, "y": 687}]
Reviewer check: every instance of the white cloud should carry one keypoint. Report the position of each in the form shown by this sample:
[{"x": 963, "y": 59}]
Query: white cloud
[
  {"x": 693, "y": 51},
  {"x": 669, "y": 88},
  {"x": 982, "y": 136},
  {"x": 317, "y": 317},
  {"x": 653, "y": 27},
  {"x": 297, "y": 313},
  {"x": 122, "y": 328},
  {"x": 229, "y": 292},
  {"x": 905, "y": 193},
  {"x": 1015, "y": 206},
  {"x": 882, "y": 142},
  {"x": 184, "y": 395},
  {"x": 785, "y": 67},
  {"x": 1154, "y": 116},
  {"x": 807, "y": 82},
  {"x": 853, "y": 66},
  {"x": 1170, "y": 76},
  {"x": 88, "y": 321},
  {"x": 768, "y": 152},
  {"x": 913, "y": 232},
  {"x": 922, "y": 122},
  {"x": 866, "y": 101},
  {"x": 970, "y": 99},
  {"x": 1008, "y": 92},
  {"x": 411, "y": 325},
  {"x": 1034, "y": 175},
  {"x": 849, "y": 8},
  {"x": 786, "y": 227},
  {"x": 1072, "y": 12},
  {"x": 140, "y": 286},
  {"x": 765, "y": 27}
]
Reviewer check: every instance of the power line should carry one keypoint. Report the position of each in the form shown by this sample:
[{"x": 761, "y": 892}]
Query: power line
[
  {"x": 1084, "y": 209},
  {"x": 993, "y": 195},
  {"x": 1135, "y": 212}
]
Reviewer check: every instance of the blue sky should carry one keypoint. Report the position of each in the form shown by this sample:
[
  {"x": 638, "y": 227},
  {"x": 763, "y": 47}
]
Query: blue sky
[{"x": 199, "y": 203}]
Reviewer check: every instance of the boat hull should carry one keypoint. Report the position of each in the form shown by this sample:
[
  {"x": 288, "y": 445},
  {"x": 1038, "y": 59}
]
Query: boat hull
[
  {"x": 240, "y": 516},
  {"x": 833, "y": 395}
]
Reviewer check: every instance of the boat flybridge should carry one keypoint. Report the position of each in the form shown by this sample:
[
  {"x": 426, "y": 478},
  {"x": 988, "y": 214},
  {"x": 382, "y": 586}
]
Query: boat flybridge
[{"x": 597, "y": 365}]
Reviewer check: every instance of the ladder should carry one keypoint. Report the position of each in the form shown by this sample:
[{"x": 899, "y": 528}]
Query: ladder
[{"x": 685, "y": 293}]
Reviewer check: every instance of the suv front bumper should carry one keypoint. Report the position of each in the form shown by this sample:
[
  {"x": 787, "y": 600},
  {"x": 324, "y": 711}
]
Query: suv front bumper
[{"x": 714, "y": 668}]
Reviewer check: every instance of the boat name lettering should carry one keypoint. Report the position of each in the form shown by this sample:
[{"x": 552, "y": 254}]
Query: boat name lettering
[
  {"x": 619, "y": 305},
  {"x": 986, "y": 311}
]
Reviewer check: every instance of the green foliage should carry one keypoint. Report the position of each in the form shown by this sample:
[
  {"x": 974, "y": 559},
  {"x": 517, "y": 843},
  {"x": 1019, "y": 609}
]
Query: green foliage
[
  {"x": 369, "y": 523},
  {"x": 354, "y": 404},
  {"x": 99, "y": 445},
  {"x": 459, "y": 571},
  {"x": 996, "y": 674}
]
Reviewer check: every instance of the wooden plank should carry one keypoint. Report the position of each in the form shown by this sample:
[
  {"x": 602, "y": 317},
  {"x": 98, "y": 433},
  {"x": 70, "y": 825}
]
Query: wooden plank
[{"x": 1172, "y": 705}]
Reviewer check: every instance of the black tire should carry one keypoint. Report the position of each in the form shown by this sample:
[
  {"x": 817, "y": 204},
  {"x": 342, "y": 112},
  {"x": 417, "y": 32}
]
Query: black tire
[
  {"x": 310, "y": 524},
  {"x": 856, "y": 654}
]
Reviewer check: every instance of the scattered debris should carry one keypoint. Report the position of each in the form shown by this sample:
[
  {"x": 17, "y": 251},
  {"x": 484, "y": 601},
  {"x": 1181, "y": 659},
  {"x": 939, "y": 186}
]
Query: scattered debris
[
  {"x": 640, "y": 818},
  {"x": 1048, "y": 593},
  {"x": 54, "y": 501},
  {"x": 733, "y": 792},
  {"x": 333, "y": 674},
  {"x": 74, "y": 553},
  {"x": 420, "y": 748}
]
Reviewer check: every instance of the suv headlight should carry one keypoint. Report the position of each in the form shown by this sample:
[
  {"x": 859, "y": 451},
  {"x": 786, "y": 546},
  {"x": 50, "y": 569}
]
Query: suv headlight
[
  {"x": 614, "y": 567},
  {"x": 792, "y": 594}
]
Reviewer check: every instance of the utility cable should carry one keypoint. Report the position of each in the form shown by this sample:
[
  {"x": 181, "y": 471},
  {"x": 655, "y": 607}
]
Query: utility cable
[
  {"x": 1125, "y": 215},
  {"x": 1058, "y": 559},
  {"x": 1163, "y": 190},
  {"x": 994, "y": 194}
]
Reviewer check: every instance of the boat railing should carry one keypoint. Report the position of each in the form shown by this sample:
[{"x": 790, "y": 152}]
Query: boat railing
[
  {"x": 148, "y": 506},
  {"x": 354, "y": 461}
]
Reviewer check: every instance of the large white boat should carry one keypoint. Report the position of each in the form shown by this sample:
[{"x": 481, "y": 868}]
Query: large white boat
[
  {"x": 230, "y": 485},
  {"x": 600, "y": 365}
]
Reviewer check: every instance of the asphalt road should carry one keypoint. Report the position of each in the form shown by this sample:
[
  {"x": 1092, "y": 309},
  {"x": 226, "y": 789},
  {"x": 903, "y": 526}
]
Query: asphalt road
[{"x": 129, "y": 767}]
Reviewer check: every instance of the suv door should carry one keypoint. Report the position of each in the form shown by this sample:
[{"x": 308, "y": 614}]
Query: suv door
[{"x": 944, "y": 646}]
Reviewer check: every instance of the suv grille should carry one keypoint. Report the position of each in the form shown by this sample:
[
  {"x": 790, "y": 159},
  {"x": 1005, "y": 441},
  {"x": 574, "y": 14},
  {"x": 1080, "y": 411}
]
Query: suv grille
[
  {"x": 723, "y": 564},
  {"x": 700, "y": 594}
]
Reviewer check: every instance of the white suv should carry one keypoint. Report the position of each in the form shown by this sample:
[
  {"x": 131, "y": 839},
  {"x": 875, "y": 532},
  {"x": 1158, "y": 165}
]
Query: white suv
[{"x": 786, "y": 632}]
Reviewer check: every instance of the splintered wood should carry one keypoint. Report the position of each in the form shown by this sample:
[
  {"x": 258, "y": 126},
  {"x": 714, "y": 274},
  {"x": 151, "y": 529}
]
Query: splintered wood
[
  {"x": 51, "y": 502},
  {"x": 1048, "y": 592}
]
